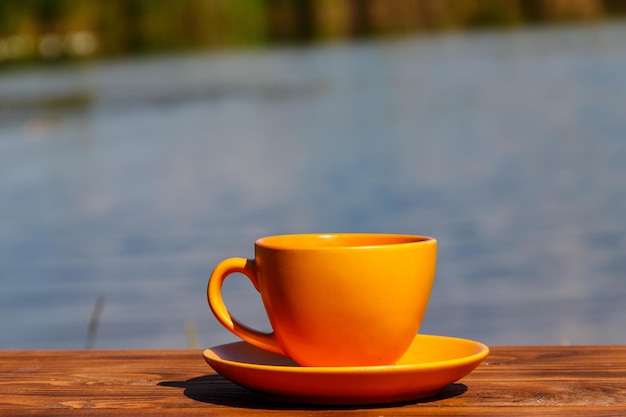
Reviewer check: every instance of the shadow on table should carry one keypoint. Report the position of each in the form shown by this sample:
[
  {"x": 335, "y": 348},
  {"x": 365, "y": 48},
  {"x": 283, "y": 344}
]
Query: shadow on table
[{"x": 215, "y": 389}]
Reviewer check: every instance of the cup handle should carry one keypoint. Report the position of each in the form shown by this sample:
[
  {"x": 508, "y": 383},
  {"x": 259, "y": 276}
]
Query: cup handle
[{"x": 266, "y": 341}]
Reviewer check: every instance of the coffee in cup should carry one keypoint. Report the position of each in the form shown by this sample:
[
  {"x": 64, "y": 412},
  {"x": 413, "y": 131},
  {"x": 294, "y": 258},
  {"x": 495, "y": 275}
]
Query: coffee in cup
[{"x": 345, "y": 299}]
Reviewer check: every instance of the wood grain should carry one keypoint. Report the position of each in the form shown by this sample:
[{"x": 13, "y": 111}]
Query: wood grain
[{"x": 524, "y": 380}]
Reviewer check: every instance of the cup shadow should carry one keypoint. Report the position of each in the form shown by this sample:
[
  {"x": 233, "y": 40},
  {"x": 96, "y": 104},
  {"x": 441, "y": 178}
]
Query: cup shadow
[{"x": 215, "y": 389}]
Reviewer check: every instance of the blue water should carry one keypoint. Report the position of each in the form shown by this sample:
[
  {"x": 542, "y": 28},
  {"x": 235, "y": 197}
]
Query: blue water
[{"x": 130, "y": 179}]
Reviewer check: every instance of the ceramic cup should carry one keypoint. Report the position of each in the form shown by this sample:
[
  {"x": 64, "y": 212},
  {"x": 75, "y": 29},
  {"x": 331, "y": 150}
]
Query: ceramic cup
[{"x": 334, "y": 299}]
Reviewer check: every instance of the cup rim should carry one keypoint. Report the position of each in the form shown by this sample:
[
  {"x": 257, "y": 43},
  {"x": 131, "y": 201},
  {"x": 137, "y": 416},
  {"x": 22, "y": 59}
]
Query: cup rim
[{"x": 314, "y": 241}]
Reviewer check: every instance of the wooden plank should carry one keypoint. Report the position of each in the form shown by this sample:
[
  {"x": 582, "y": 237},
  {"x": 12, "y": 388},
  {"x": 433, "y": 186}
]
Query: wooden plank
[{"x": 525, "y": 380}]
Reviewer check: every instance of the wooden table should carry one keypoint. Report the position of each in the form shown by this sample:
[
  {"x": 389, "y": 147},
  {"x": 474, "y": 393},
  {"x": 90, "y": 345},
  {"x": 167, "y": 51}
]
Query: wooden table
[{"x": 528, "y": 380}]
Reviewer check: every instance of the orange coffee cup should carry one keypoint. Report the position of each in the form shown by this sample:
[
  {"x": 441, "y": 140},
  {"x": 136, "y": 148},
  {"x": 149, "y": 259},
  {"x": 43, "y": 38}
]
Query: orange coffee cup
[{"x": 334, "y": 299}]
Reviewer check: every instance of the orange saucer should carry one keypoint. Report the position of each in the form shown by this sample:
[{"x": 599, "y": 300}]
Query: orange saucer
[{"x": 430, "y": 364}]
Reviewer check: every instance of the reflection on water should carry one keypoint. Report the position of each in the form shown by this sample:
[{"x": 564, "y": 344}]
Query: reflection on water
[{"x": 131, "y": 179}]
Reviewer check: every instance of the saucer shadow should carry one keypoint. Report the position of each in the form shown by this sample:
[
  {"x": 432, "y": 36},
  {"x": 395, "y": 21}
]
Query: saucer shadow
[{"x": 215, "y": 389}]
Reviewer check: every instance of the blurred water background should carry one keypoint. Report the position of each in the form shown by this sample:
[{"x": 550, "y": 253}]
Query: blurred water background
[{"x": 130, "y": 166}]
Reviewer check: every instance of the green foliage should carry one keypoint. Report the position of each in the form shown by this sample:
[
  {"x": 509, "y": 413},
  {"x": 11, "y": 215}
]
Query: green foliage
[{"x": 147, "y": 26}]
